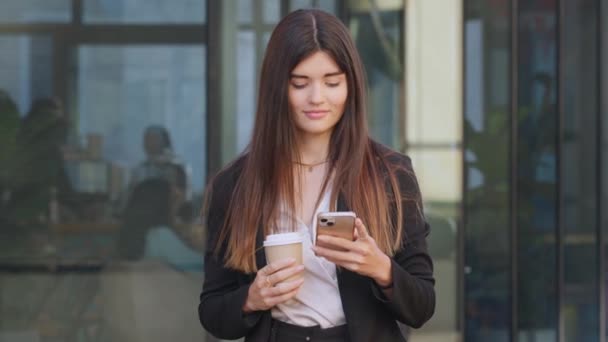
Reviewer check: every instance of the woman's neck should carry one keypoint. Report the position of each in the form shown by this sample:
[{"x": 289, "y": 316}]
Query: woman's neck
[{"x": 314, "y": 149}]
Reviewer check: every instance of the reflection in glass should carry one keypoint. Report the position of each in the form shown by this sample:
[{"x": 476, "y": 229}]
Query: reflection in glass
[
  {"x": 378, "y": 34},
  {"x": 35, "y": 11},
  {"x": 117, "y": 178},
  {"x": 145, "y": 11},
  {"x": 149, "y": 85},
  {"x": 487, "y": 128},
  {"x": 26, "y": 68},
  {"x": 537, "y": 171},
  {"x": 579, "y": 171},
  {"x": 32, "y": 126}
]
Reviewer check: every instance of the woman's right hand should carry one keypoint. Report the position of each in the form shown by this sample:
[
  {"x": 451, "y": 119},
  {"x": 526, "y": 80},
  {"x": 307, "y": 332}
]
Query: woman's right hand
[{"x": 269, "y": 289}]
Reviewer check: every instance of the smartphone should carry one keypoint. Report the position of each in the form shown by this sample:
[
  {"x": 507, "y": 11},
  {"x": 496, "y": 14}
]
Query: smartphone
[{"x": 337, "y": 223}]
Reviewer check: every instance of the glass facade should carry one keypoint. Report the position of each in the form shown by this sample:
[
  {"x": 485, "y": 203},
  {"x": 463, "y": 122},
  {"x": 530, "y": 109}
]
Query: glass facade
[
  {"x": 537, "y": 175},
  {"x": 35, "y": 11},
  {"x": 487, "y": 266},
  {"x": 26, "y": 68},
  {"x": 378, "y": 34},
  {"x": 103, "y": 168},
  {"x": 144, "y": 11},
  {"x": 579, "y": 171},
  {"x": 114, "y": 114},
  {"x": 546, "y": 146}
]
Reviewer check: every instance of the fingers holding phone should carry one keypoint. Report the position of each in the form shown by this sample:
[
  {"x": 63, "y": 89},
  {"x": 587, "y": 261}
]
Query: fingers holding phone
[{"x": 362, "y": 255}]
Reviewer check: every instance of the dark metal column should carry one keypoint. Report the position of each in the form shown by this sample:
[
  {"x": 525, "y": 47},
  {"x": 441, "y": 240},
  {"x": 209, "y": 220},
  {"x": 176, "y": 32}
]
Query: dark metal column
[
  {"x": 460, "y": 232},
  {"x": 214, "y": 93},
  {"x": 514, "y": 77},
  {"x": 561, "y": 112},
  {"x": 77, "y": 12},
  {"x": 601, "y": 255},
  {"x": 559, "y": 139}
]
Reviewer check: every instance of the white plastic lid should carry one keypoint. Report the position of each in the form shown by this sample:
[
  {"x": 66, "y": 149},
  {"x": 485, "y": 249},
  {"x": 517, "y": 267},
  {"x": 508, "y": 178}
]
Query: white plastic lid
[{"x": 282, "y": 239}]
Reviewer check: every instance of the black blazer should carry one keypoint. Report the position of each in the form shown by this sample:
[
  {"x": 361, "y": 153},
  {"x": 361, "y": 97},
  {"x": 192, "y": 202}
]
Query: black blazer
[{"x": 369, "y": 315}]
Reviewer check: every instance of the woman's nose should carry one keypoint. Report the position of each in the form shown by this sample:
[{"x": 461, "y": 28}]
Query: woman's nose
[{"x": 316, "y": 95}]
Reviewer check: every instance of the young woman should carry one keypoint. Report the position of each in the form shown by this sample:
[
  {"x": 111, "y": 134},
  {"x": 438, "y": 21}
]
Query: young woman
[{"x": 310, "y": 152}]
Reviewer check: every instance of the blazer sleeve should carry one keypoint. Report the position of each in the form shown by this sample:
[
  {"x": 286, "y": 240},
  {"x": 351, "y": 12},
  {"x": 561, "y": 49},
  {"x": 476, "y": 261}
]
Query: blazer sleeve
[
  {"x": 221, "y": 303},
  {"x": 413, "y": 295}
]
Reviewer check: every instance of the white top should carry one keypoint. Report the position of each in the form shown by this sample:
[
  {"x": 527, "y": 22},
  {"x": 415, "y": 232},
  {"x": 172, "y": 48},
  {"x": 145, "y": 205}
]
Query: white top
[{"x": 318, "y": 302}]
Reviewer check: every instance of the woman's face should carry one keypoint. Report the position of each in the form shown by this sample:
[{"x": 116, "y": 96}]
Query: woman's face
[{"x": 317, "y": 94}]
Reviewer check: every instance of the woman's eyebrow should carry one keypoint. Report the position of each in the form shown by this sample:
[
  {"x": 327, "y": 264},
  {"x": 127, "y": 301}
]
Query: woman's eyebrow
[{"x": 336, "y": 73}]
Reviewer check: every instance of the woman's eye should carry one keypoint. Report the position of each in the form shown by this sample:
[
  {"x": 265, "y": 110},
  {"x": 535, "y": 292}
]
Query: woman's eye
[
  {"x": 298, "y": 85},
  {"x": 332, "y": 84}
]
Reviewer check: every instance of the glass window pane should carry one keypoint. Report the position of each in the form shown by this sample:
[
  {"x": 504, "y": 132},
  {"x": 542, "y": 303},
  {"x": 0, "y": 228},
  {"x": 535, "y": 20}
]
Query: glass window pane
[
  {"x": 265, "y": 40},
  {"x": 297, "y": 4},
  {"x": 380, "y": 47},
  {"x": 29, "y": 162},
  {"x": 579, "y": 171},
  {"x": 328, "y": 6},
  {"x": 145, "y": 11},
  {"x": 272, "y": 11},
  {"x": 245, "y": 11},
  {"x": 487, "y": 257},
  {"x": 246, "y": 89},
  {"x": 160, "y": 85},
  {"x": 88, "y": 190},
  {"x": 537, "y": 170},
  {"x": 35, "y": 11},
  {"x": 26, "y": 68}
]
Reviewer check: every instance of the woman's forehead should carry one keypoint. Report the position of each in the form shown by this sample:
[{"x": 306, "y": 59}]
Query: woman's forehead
[{"x": 319, "y": 64}]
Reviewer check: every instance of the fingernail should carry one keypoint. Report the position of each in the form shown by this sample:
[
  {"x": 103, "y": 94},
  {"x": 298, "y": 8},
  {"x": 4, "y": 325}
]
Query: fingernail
[{"x": 301, "y": 268}]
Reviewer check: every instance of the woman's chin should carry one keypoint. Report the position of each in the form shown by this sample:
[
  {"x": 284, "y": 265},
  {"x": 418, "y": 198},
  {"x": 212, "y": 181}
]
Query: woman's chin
[{"x": 313, "y": 132}]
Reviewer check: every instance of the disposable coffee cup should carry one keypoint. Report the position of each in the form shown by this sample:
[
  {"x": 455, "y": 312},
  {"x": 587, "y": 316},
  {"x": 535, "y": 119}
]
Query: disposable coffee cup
[{"x": 283, "y": 246}]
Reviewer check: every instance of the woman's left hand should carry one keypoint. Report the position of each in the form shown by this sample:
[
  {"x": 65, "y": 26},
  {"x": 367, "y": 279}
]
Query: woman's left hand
[{"x": 361, "y": 256}]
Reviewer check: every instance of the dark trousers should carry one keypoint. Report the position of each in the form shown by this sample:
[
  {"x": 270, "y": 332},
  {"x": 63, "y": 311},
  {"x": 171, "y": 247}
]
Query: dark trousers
[{"x": 284, "y": 332}]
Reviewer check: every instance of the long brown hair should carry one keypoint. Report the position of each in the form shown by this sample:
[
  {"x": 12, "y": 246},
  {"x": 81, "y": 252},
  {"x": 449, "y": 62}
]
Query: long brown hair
[{"x": 359, "y": 170}]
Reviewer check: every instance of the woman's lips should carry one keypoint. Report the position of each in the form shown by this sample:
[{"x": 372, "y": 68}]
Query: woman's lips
[{"x": 315, "y": 114}]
